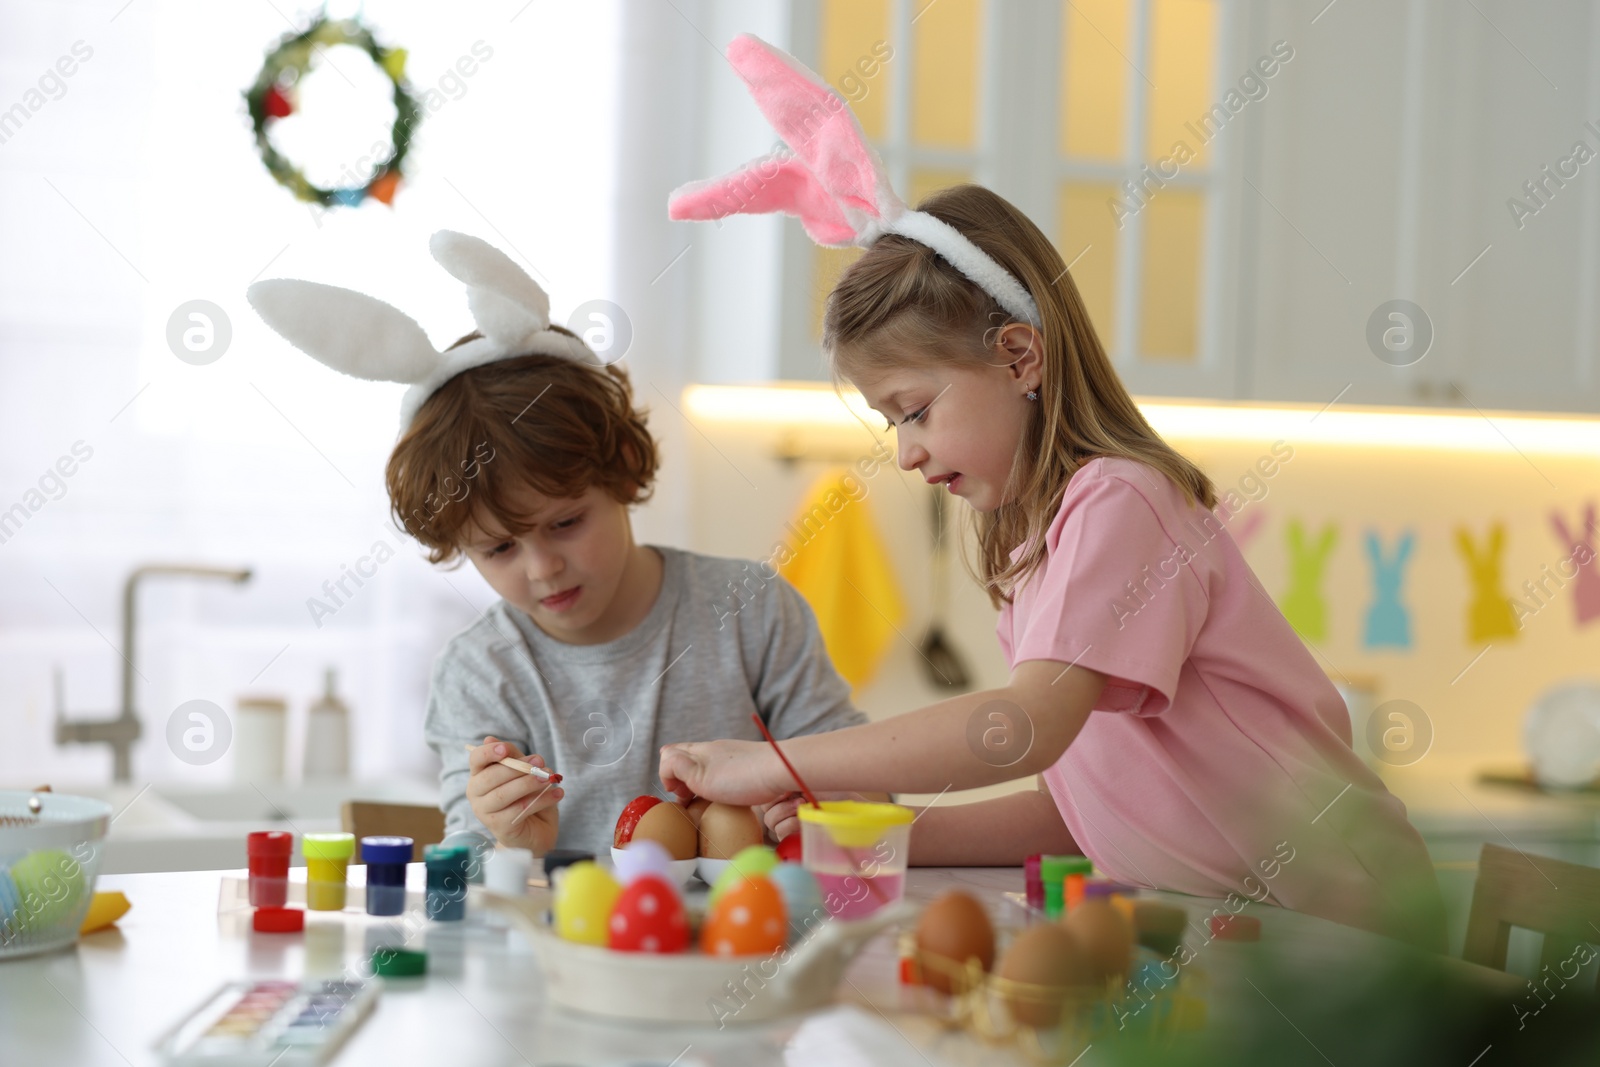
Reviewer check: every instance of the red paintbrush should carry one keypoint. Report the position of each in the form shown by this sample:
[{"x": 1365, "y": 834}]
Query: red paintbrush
[
  {"x": 811, "y": 798},
  {"x": 799, "y": 781}
]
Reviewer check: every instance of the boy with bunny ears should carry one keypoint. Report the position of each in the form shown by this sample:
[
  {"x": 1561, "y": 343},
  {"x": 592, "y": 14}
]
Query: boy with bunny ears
[{"x": 522, "y": 452}]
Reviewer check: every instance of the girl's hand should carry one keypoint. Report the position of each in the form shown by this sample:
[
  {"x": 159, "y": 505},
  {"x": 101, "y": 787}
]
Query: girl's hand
[
  {"x": 732, "y": 772},
  {"x": 781, "y": 816},
  {"x": 519, "y": 809}
]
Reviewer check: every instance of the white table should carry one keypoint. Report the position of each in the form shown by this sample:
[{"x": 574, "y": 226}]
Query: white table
[{"x": 481, "y": 1004}]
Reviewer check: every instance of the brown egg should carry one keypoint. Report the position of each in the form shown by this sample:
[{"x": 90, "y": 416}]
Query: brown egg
[
  {"x": 668, "y": 824},
  {"x": 1050, "y": 962},
  {"x": 696, "y": 808},
  {"x": 956, "y": 928},
  {"x": 727, "y": 829},
  {"x": 1105, "y": 935}
]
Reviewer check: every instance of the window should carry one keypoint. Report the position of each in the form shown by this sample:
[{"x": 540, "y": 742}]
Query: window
[{"x": 1094, "y": 116}]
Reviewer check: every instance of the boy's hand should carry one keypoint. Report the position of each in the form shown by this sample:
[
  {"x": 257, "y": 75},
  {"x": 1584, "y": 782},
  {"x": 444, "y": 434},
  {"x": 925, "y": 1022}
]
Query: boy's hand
[
  {"x": 519, "y": 809},
  {"x": 732, "y": 772}
]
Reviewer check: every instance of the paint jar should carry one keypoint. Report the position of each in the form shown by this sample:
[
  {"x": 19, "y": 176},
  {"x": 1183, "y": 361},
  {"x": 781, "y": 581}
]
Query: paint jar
[
  {"x": 1063, "y": 878},
  {"x": 327, "y": 865},
  {"x": 268, "y": 852},
  {"x": 1032, "y": 882},
  {"x": 386, "y": 859},
  {"x": 447, "y": 882}
]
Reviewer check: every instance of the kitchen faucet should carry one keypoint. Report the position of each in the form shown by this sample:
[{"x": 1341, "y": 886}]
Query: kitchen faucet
[{"x": 121, "y": 732}]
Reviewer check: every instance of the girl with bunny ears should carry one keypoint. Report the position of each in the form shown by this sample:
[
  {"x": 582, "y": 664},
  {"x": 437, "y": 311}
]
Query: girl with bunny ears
[
  {"x": 1187, "y": 739},
  {"x": 523, "y": 453}
]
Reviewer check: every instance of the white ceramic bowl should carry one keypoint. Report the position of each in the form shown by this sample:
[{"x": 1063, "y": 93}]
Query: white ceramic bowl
[
  {"x": 682, "y": 870},
  {"x": 691, "y": 987}
]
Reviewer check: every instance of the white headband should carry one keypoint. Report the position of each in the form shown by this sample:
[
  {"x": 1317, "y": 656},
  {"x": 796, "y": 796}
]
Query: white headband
[
  {"x": 366, "y": 338},
  {"x": 835, "y": 183}
]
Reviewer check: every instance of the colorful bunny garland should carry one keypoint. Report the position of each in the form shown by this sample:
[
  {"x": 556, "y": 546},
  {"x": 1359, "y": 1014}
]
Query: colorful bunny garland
[
  {"x": 363, "y": 337},
  {"x": 834, "y": 182}
]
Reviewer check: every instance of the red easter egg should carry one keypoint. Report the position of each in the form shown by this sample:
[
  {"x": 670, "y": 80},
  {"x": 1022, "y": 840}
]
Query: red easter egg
[
  {"x": 749, "y": 919},
  {"x": 789, "y": 849},
  {"x": 648, "y": 917}
]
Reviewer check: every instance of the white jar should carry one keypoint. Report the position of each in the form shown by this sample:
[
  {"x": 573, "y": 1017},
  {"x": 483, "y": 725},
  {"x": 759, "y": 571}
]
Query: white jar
[{"x": 259, "y": 738}]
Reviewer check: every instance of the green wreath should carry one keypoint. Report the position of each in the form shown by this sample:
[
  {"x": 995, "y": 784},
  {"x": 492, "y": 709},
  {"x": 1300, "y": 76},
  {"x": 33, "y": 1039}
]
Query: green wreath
[{"x": 272, "y": 98}]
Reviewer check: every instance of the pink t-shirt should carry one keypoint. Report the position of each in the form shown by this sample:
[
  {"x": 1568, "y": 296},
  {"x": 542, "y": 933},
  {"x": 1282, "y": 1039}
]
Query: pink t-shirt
[{"x": 1217, "y": 760}]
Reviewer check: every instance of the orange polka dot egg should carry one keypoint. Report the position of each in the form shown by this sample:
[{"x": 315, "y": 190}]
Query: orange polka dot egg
[{"x": 748, "y": 919}]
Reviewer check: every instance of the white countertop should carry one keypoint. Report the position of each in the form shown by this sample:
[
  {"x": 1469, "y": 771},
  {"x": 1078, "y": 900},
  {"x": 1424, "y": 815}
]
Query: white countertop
[
  {"x": 108, "y": 1000},
  {"x": 1444, "y": 797}
]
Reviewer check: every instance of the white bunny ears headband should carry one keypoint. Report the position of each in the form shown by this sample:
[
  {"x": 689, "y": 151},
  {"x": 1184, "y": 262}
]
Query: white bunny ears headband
[
  {"x": 363, "y": 337},
  {"x": 834, "y": 182}
]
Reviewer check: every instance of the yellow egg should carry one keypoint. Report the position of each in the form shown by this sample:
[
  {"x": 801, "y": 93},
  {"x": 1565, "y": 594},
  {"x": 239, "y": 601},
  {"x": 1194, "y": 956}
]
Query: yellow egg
[
  {"x": 1048, "y": 964},
  {"x": 1105, "y": 935},
  {"x": 585, "y": 895}
]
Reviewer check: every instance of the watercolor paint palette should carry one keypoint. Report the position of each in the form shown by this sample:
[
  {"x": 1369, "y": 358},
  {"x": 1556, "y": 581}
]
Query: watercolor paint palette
[{"x": 270, "y": 1022}]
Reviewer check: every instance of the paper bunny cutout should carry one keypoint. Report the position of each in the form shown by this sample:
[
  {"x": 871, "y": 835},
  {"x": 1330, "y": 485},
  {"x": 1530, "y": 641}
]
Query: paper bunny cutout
[
  {"x": 1490, "y": 616},
  {"x": 1303, "y": 605},
  {"x": 1388, "y": 622},
  {"x": 1586, "y": 594},
  {"x": 366, "y": 338},
  {"x": 834, "y": 182}
]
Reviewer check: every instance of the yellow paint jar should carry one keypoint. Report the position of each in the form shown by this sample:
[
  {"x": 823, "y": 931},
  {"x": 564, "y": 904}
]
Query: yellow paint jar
[{"x": 327, "y": 865}]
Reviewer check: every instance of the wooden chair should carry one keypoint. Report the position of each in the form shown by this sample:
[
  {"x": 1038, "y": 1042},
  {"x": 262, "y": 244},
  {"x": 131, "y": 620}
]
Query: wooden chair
[
  {"x": 420, "y": 822},
  {"x": 1557, "y": 899}
]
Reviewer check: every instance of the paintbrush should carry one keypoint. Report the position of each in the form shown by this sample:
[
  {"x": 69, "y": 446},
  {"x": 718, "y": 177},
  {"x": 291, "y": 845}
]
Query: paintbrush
[
  {"x": 526, "y": 768},
  {"x": 811, "y": 798}
]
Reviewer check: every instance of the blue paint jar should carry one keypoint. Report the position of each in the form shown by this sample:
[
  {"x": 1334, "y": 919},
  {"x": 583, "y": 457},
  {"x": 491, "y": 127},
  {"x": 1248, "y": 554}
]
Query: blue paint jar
[
  {"x": 386, "y": 859},
  {"x": 447, "y": 882}
]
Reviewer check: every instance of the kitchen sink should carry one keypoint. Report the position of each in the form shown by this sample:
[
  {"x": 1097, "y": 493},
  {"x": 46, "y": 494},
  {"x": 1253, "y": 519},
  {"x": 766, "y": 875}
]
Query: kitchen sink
[{"x": 170, "y": 826}]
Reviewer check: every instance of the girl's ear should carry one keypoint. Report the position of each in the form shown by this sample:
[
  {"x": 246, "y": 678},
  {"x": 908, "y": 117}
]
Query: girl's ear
[{"x": 1019, "y": 348}]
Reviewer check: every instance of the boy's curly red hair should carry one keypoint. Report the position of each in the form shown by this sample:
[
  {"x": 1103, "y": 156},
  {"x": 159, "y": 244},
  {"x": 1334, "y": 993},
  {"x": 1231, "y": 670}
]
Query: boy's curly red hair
[{"x": 540, "y": 422}]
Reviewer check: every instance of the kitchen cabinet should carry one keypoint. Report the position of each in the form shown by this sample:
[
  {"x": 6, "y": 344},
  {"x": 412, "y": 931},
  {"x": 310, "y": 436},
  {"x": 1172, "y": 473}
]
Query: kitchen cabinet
[{"x": 1444, "y": 154}]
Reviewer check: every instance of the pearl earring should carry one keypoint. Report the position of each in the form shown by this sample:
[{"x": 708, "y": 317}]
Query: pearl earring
[{"x": 1032, "y": 394}]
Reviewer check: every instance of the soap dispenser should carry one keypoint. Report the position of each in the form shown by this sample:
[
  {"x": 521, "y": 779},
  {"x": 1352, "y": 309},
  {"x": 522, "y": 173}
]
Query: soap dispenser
[{"x": 327, "y": 749}]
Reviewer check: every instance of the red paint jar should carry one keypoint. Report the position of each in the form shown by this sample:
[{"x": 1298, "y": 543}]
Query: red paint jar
[{"x": 269, "y": 867}]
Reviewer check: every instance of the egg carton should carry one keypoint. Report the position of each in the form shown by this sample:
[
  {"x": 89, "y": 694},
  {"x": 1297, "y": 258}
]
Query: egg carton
[
  {"x": 50, "y": 852},
  {"x": 1054, "y": 1024},
  {"x": 689, "y": 986}
]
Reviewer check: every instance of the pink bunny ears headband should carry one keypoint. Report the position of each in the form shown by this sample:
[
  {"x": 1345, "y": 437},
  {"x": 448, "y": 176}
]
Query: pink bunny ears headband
[
  {"x": 363, "y": 337},
  {"x": 835, "y": 183}
]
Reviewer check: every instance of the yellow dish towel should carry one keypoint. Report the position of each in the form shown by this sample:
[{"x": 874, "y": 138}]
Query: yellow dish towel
[{"x": 842, "y": 568}]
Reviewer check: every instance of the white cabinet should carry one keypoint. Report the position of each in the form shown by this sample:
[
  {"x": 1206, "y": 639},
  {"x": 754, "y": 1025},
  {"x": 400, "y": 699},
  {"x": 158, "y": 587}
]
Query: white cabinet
[{"x": 1386, "y": 166}]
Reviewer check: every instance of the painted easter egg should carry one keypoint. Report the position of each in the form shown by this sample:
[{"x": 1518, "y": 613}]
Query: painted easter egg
[
  {"x": 648, "y": 917},
  {"x": 50, "y": 886},
  {"x": 747, "y": 920},
  {"x": 757, "y": 859},
  {"x": 802, "y": 899},
  {"x": 789, "y": 849},
  {"x": 584, "y": 900}
]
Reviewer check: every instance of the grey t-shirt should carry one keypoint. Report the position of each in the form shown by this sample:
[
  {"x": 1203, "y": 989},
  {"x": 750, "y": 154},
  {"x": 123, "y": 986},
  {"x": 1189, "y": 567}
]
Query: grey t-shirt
[{"x": 721, "y": 641}]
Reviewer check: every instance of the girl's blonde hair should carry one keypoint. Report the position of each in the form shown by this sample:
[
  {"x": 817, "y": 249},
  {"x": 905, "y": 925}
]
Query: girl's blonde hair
[{"x": 901, "y": 303}]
